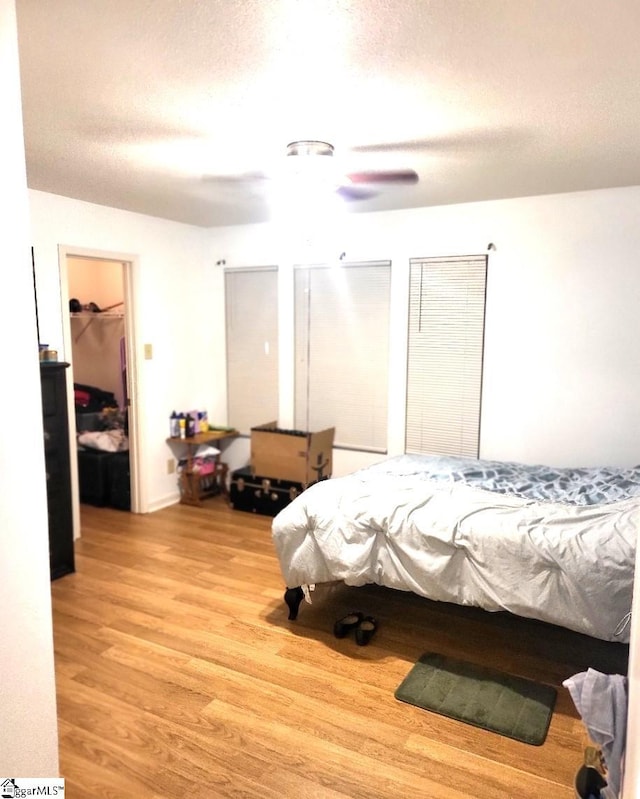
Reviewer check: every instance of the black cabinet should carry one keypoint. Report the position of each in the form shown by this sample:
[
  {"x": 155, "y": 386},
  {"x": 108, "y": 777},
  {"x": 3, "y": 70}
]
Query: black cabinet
[{"x": 58, "y": 468}]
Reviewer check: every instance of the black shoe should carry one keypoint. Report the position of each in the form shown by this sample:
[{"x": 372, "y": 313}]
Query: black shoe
[
  {"x": 366, "y": 630},
  {"x": 349, "y": 622}
]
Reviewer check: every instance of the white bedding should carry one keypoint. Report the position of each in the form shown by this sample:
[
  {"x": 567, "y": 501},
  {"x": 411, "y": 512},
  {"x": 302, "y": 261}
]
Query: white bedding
[{"x": 564, "y": 564}]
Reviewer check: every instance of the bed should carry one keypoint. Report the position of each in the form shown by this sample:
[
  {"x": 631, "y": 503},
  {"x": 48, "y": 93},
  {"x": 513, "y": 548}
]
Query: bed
[{"x": 557, "y": 545}]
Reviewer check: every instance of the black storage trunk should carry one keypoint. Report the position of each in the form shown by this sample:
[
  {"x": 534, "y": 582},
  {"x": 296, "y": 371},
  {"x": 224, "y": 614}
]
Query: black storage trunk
[
  {"x": 264, "y": 495},
  {"x": 104, "y": 478},
  {"x": 93, "y": 476},
  {"x": 120, "y": 481}
]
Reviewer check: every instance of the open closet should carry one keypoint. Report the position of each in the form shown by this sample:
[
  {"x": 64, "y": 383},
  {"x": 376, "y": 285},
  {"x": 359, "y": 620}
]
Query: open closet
[{"x": 101, "y": 401}]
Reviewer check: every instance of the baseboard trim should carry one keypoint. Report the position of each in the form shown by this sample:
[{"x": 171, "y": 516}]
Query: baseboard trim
[{"x": 164, "y": 502}]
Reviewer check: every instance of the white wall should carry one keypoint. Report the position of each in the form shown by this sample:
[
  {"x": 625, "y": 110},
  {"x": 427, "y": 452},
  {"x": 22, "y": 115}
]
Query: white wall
[
  {"x": 562, "y": 372},
  {"x": 172, "y": 309},
  {"x": 28, "y": 732}
]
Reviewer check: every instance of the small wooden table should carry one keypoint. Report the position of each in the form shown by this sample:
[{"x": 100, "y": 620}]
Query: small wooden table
[{"x": 195, "y": 485}]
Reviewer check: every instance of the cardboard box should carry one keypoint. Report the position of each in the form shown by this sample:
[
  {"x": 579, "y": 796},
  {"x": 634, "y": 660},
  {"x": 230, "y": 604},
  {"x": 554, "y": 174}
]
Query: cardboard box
[{"x": 291, "y": 455}]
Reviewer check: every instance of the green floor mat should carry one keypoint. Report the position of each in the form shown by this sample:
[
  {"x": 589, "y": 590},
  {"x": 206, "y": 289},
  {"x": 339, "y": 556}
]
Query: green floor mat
[{"x": 485, "y": 698}]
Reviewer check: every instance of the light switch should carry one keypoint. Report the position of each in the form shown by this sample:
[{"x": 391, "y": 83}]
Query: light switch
[{"x": 148, "y": 352}]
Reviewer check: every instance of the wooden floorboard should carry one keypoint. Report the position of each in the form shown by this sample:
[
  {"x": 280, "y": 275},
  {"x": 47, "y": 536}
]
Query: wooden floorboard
[{"x": 179, "y": 675}]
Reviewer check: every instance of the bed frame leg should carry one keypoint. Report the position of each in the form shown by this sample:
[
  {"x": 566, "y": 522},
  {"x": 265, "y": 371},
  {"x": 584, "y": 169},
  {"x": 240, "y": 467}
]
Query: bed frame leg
[{"x": 293, "y": 597}]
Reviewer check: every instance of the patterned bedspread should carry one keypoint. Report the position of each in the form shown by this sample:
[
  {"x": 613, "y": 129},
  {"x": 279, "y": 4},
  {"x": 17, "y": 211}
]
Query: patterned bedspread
[{"x": 572, "y": 486}]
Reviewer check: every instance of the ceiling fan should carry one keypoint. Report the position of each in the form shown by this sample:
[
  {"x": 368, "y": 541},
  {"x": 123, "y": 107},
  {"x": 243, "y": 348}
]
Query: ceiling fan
[{"x": 309, "y": 164}]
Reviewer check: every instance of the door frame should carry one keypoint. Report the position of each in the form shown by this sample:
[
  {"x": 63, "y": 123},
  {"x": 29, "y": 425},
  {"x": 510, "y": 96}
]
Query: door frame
[{"x": 130, "y": 273}]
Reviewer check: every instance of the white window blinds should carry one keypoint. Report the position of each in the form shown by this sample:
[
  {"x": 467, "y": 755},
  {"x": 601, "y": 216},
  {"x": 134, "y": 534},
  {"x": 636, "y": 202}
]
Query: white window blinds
[
  {"x": 341, "y": 351},
  {"x": 445, "y": 346},
  {"x": 251, "y": 297}
]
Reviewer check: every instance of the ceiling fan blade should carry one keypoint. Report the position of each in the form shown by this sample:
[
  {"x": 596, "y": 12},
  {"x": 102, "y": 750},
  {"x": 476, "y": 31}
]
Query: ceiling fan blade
[
  {"x": 244, "y": 177},
  {"x": 404, "y": 176},
  {"x": 395, "y": 146},
  {"x": 456, "y": 141},
  {"x": 351, "y": 192}
]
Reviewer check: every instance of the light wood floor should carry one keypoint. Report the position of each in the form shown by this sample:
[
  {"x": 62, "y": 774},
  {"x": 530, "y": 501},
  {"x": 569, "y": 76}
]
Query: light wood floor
[{"x": 179, "y": 676}]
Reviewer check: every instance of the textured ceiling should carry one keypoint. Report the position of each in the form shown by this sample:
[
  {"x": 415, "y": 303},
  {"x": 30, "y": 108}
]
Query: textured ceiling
[{"x": 129, "y": 103}]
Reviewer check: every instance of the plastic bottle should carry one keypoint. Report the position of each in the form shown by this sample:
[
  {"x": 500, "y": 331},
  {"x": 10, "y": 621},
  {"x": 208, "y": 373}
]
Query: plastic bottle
[
  {"x": 174, "y": 426},
  {"x": 182, "y": 425},
  {"x": 191, "y": 426}
]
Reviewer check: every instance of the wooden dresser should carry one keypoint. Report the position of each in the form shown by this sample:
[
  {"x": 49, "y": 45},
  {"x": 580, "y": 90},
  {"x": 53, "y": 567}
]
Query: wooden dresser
[{"x": 57, "y": 465}]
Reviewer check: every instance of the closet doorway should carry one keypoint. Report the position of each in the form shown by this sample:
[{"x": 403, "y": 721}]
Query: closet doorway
[{"x": 99, "y": 332}]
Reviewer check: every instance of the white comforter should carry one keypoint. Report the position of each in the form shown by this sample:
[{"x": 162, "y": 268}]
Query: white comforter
[{"x": 567, "y": 565}]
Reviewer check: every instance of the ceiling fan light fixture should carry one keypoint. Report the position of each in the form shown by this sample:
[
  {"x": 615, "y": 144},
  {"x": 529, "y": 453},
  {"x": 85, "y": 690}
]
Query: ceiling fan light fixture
[
  {"x": 311, "y": 173},
  {"x": 307, "y": 147}
]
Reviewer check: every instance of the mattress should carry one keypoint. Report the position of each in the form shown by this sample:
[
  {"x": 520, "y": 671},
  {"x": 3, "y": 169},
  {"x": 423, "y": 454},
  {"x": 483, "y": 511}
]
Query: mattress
[{"x": 560, "y": 550}]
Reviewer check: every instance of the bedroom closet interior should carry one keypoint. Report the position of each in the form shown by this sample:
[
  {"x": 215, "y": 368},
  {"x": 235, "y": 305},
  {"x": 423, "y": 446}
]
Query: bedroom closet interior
[{"x": 98, "y": 346}]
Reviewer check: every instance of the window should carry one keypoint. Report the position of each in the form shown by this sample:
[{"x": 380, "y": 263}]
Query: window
[
  {"x": 251, "y": 297},
  {"x": 445, "y": 346},
  {"x": 341, "y": 351}
]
